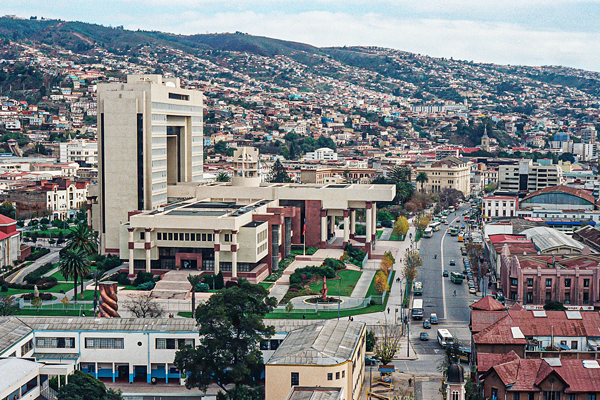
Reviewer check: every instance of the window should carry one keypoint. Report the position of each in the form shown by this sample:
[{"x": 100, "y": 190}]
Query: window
[
  {"x": 586, "y": 283},
  {"x": 173, "y": 344},
  {"x": 567, "y": 298},
  {"x": 567, "y": 282},
  {"x": 548, "y": 282},
  {"x": 455, "y": 395},
  {"x": 193, "y": 237},
  {"x": 187, "y": 237},
  {"x": 514, "y": 281},
  {"x": 337, "y": 375},
  {"x": 548, "y": 296},
  {"x": 227, "y": 237},
  {"x": 104, "y": 343},
  {"x": 586, "y": 298},
  {"x": 571, "y": 397},
  {"x": 530, "y": 282},
  {"x": 573, "y": 344},
  {"x": 515, "y": 396},
  {"x": 494, "y": 394},
  {"x": 330, "y": 376},
  {"x": 170, "y": 236},
  {"x": 343, "y": 374},
  {"x": 176, "y": 236},
  {"x": 26, "y": 347},
  {"x": 158, "y": 236},
  {"x": 295, "y": 378},
  {"x": 55, "y": 343},
  {"x": 529, "y": 298},
  {"x": 591, "y": 397},
  {"x": 142, "y": 235}
]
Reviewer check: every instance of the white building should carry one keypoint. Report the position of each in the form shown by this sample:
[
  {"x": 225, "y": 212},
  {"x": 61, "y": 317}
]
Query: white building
[
  {"x": 10, "y": 241},
  {"x": 528, "y": 176},
  {"x": 65, "y": 198},
  {"x": 324, "y": 153},
  {"x": 79, "y": 151},
  {"x": 499, "y": 206}
]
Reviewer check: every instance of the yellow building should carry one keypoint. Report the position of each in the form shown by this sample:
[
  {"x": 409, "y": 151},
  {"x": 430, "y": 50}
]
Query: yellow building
[
  {"x": 451, "y": 173},
  {"x": 329, "y": 354}
]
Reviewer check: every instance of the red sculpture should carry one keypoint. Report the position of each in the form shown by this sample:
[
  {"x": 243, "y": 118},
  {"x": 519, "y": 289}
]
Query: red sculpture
[{"x": 324, "y": 290}]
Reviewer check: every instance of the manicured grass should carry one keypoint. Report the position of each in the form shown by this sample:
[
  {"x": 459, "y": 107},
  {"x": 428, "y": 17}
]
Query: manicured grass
[
  {"x": 379, "y": 233},
  {"x": 128, "y": 287},
  {"x": 87, "y": 295},
  {"x": 59, "y": 276},
  {"x": 47, "y": 232},
  {"x": 348, "y": 282},
  {"x": 266, "y": 285},
  {"x": 66, "y": 286}
]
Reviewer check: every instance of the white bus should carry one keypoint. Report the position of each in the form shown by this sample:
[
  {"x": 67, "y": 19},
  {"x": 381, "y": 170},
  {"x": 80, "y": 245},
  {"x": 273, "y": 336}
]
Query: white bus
[
  {"x": 435, "y": 226},
  {"x": 428, "y": 232},
  {"x": 444, "y": 337},
  {"x": 417, "y": 309}
]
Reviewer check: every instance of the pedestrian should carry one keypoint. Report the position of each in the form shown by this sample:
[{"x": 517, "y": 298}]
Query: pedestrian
[
  {"x": 388, "y": 310},
  {"x": 409, "y": 382},
  {"x": 303, "y": 316},
  {"x": 83, "y": 314},
  {"x": 454, "y": 292}
]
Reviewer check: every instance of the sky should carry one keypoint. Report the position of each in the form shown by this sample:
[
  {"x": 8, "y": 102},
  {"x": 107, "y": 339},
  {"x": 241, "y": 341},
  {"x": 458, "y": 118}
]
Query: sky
[{"x": 525, "y": 32}]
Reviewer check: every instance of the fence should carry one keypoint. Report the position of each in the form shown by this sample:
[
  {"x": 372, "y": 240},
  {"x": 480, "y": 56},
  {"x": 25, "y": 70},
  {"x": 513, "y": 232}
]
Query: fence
[
  {"x": 48, "y": 392},
  {"x": 364, "y": 261}
]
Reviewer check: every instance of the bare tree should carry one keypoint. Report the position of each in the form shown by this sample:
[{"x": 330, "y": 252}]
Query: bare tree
[
  {"x": 388, "y": 342},
  {"x": 8, "y": 305},
  {"x": 144, "y": 306}
]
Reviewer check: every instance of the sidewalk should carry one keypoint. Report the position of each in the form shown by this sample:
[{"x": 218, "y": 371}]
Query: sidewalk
[{"x": 363, "y": 284}]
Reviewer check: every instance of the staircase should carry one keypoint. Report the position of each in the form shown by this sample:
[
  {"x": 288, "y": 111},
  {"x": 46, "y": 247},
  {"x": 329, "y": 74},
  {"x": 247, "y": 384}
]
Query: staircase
[{"x": 173, "y": 285}]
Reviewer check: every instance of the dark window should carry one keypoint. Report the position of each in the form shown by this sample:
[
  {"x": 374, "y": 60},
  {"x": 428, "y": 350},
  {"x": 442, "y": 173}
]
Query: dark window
[
  {"x": 275, "y": 344},
  {"x": 330, "y": 376},
  {"x": 548, "y": 296},
  {"x": 343, "y": 374},
  {"x": 187, "y": 237},
  {"x": 529, "y": 282},
  {"x": 529, "y": 298},
  {"x": 515, "y": 396},
  {"x": 494, "y": 394},
  {"x": 573, "y": 344},
  {"x": 549, "y": 282},
  {"x": 142, "y": 235},
  {"x": 567, "y": 282},
  {"x": 567, "y": 298},
  {"x": 140, "y": 160},
  {"x": 176, "y": 236},
  {"x": 158, "y": 236},
  {"x": 177, "y": 96},
  {"x": 170, "y": 343},
  {"x": 586, "y": 283},
  {"x": 264, "y": 345},
  {"x": 514, "y": 281},
  {"x": 586, "y": 298},
  {"x": 295, "y": 378},
  {"x": 193, "y": 237},
  {"x": 170, "y": 236},
  {"x": 204, "y": 237},
  {"x": 337, "y": 375}
]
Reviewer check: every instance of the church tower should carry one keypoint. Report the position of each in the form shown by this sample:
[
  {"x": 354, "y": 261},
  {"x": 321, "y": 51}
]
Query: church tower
[
  {"x": 485, "y": 141},
  {"x": 455, "y": 382}
]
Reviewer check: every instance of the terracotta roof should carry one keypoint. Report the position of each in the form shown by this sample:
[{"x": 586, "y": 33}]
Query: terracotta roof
[
  {"x": 485, "y": 361},
  {"x": 482, "y": 319},
  {"x": 588, "y": 234},
  {"x": 583, "y": 194},
  {"x": 579, "y": 378},
  {"x": 488, "y": 303},
  {"x": 4, "y": 220}
]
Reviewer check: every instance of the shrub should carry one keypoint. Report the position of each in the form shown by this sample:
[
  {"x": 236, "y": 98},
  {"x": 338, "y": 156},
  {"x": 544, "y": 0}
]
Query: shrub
[
  {"x": 296, "y": 286},
  {"x": 370, "y": 340},
  {"x": 35, "y": 276},
  {"x": 306, "y": 273},
  {"x": 334, "y": 263},
  {"x": 4, "y": 288},
  {"x": 37, "y": 253},
  {"x": 123, "y": 279},
  {"x": 43, "y": 296},
  {"x": 202, "y": 287},
  {"x": 143, "y": 277},
  {"x": 146, "y": 286}
]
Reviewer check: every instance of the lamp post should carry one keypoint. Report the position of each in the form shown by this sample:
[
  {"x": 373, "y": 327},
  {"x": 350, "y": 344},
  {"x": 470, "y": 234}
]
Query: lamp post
[{"x": 339, "y": 295}]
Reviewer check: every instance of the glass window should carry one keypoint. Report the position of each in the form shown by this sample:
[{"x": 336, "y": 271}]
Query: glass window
[
  {"x": 548, "y": 282},
  {"x": 187, "y": 237},
  {"x": 586, "y": 298},
  {"x": 170, "y": 235},
  {"x": 158, "y": 236},
  {"x": 295, "y": 378},
  {"x": 573, "y": 344},
  {"x": 175, "y": 236},
  {"x": 337, "y": 375},
  {"x": 514, "y": 281},
  {"x": 204, "y": 237},
  {"x": 142, "y": 235},
  {"x": 515, "y": 396},
  {"x": 330, "y": 376},
  {"x": 567, "y": 282},
  {"x": 193, "y": 237},
  {"x": 529, "y": 281},
  {"x": 586, "y": 283}
]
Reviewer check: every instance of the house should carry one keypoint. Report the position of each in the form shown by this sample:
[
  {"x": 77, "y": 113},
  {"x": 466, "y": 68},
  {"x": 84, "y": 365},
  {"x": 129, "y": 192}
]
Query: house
[{"x": 10, "y": 241}]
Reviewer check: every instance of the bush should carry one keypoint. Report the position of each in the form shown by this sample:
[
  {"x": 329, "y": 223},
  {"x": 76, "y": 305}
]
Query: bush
[
  {"x": 370, "y": 340},
  {"x": 296, "y": 286},
  {"x": 4, "y": 288},
  {"x": 37, "y": 253},
  {"x": 123, "y": 279},
  {"x": 306, "y": 273},
  {"x": 143, "y": 277},
  {"x": 334, "y": 263},
  {"x": 36, "y": 275},
  {"x": 43, "y": 296},
  {"x": 146, "y": 285},
  {"x": 202, "y": 287}
]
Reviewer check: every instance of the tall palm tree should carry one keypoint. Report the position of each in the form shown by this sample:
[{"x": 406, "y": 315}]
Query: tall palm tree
[
  {"x": 422, "y": 179},
  {"x": 75, "y": 264},
  {"x": 194, "y": 280},
  {"x": 81, "y": 238},
  {"x": 222, "y": 177}
]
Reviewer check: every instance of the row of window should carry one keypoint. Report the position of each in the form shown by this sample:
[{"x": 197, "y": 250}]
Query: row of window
[
  {"x": 337, "y": 375},
  {"x": 188, "y": 237},
  {"x": 261, "y": 248},
  {"x": 173, "y": 344},
  {"x": 566, "y": 299},
  {"x": 104, "y": 343},
  {"x": 101, "y": 343},
  {"x": 262, "y": 236},
  {"x": 566, "y": 281}
]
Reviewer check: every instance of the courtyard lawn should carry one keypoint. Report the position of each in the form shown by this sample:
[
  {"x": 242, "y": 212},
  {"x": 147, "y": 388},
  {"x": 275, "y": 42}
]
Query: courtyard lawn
[
  {"x": 266, "y": 285},
  {"x": 59, "y": 276},
  {"x": 348, "y": 282},
  {"x": 379, "y": 233}
]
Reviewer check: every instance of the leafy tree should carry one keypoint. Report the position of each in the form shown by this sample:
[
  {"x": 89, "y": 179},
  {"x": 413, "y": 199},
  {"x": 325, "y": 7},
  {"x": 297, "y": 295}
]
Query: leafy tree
[
  {"x": 384, "y": 215},
  {"x": 83, "y": 386},
  {"x": 412, "y": 263},
  {"x": 278, "y": 173},
  {"x": 231, "y": 328},
  {"x": 381, "y": 284},
  {"x": 7, "y": 209},
  {"x": 323, "y": 141},
  {"x": 554, "y": 306},
  {"x": 222, "y": 177},
  {"x": 421, "y": 221},
  {"x": 194, "y": 280},
  {"x": 74, "y": 264},
  {"x": 220, "y": 147},
  {"x": 400, "y": 226},
  {"x": 399, "y": 174},
  {"x": 388, "y": 342},
  {"x": 567, "y": 157},
  {"x": 81, "y": 238},
  {"x": 422, "y": 179},
  {"x": 7, "y": 305}
]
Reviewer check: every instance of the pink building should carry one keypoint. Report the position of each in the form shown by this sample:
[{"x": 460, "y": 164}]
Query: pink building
[
  {"x": 538, "y": 279},
  {"x": 499, "y": 206}
]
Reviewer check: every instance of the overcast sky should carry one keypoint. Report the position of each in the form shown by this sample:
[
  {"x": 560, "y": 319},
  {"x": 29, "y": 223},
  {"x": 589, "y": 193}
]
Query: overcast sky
[{"x": 530, "y": 32}]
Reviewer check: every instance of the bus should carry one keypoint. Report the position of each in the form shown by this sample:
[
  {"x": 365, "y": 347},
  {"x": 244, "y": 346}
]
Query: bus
[
  {"x": 453, "y": 230},
  {"x": 428, "y": 232},
  {"x": 456, "y": 277},
  {"x": 464, "y": 354},
  {"x": 444, "y": 220},
  {"x": 435, "y": 226},
  {"x": 444, "y": 337},
  {"x": 418, "y": 288},
  {"x": 417, "y": 309},
  {"x": 451, "y": 209}
]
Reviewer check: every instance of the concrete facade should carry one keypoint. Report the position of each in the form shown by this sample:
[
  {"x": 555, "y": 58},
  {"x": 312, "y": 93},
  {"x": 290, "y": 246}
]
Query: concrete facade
[
  {"x": 451, "y": 173},
  {"x": 528, "y": 176},
  {"x": 499, "y": 206}
]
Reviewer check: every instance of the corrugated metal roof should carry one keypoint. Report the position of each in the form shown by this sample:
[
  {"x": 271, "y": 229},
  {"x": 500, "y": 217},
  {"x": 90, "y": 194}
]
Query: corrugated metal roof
[
  {"x": 111, "y": 324},
  {"x": 546, "y": 239},
  {"x": 11, "y": 331}
]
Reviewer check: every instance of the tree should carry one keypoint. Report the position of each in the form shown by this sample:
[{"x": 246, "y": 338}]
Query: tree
[
  {"x": 83, "y": 386},
  {"x": 412, "y": 263},
  {"x": 222, "y": 177},
  {"x": 400, "y": 226},
  {"x": 7, "y": 305},
  {"x": 194, "y": 280},
  {"x": 554, "y": 306},
  {"x": 381, "y": 284},
  {"x": 231, "y": 328},
  {"x": 388, "y": 342},
  {"x": 36, "y": 302},
  {"x": 421, "y": 222},
  {"x": 399, "y": 174},
  {"x": 74, "y": 264},
  {"x": 144, "y": 306},
  {"x": 422, "y": 179},
  {"x": 220, "y": 147},
  {"x": 7, "y": 209},
  {"x": 278, "y": 173},
  {"x": 81, "y": 238},
  {"x": 384, "y": 215},
  {"x": 567, "y": 157}
]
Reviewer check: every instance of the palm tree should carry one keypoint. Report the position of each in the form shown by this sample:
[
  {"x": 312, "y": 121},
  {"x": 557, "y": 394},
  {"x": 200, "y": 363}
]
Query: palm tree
[
  {"x": 81, "y": 238},
  {"x": 75, "y": 264},
  {"x": 194, "y": 280},
  {"x": 422, "y": 179},
  {"x": 222, "y": 177}
]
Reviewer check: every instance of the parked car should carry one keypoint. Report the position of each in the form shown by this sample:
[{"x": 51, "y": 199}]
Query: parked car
[
  {"x": 424, "y": 336},
  {"x": 452, "y": 263},
  {"x": 463, "y": 251},
  {"x": 446, "y": 273},
  {"x": 370, "y": 361},
  {"x": 433, "y": 319},
  {"x": 426, "y": 324},
  {"x": 472, "y": 290}
]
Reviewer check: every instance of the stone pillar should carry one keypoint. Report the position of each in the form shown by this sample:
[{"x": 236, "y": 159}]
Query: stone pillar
[
  {"x": 323, "y": 228},
  {"x": 275, "y": 247},
  {"x": 217, "y": 248},
  {"x": 346, "y": 227},
  {"x": 234, "y": 249},
  {"x": 374, "y": 228},
  {"x": 288, "y": 236},
  {"x": 131, "y": 245},
  {"x": 369, "y": 227},
  {"x": 148, "y": 246},
  {"x": 352, "y": 223},
  {"x": 332, "y": 226},
  {"x": 89, "y": 214}
]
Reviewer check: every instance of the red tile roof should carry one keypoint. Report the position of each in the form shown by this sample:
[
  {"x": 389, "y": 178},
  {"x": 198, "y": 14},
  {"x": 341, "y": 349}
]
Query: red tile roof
[
  {"x": 485, "y": 361},
  {"x": 4, "y": 220},
  {"x": 488, "y": 303}
]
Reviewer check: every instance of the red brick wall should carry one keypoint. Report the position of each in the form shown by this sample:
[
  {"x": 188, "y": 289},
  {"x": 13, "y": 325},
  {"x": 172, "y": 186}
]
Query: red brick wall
[{"x": 313, "y": 222}]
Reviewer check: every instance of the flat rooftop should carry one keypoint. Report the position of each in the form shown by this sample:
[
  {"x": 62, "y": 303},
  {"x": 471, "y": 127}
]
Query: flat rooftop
[
  {"x": 111, "y": 324},
  {"x": 207, "y": 208}
]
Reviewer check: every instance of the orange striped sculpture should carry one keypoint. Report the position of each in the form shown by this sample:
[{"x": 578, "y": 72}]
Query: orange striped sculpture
[{"x": 108, "y": 299}]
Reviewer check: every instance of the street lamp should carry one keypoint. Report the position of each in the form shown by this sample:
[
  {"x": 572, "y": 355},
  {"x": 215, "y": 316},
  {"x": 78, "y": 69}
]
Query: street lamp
[{"x": 339, "y": 295}]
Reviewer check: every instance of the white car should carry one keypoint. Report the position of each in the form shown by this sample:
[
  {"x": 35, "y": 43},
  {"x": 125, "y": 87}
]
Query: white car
[{"x": 472, "y": 290}]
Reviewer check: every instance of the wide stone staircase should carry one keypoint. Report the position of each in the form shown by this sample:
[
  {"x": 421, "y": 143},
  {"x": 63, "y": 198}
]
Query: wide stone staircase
[{"x": 174, "y": 285}]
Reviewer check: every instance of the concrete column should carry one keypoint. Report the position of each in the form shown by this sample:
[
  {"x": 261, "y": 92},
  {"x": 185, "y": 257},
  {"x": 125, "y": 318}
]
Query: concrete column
[
  {"x": 148, "y": 246},
  {"x": 275, "y": 229},
  {"x": 369, "y": 224},
  {"x": 96, "y": 370},
  {"x": 346, "y": 227},
  {"x": 288, "y": 236},
  {"x": 332, "y": 225},
  {"x": 131, "y": 245},
  {"x": 113, "y": 371},
  {"x": 352, "y": 223},
  {"x": 217, "y": 248},
  {"x": 166, "y": 373},
  {"x": 324, "y": 226},
  {"x": 234, "y": 249},
  {"x": 89, "y": 214}
]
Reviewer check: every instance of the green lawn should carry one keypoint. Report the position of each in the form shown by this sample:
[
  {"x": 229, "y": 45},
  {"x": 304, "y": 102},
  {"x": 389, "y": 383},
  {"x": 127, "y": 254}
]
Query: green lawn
[
  {"x": 56, "y": 289},
  {"x": 379, "y": 233},
  {"x": 348, "y": 282},
  {"x": 266, "y": 285},
  {"x": 58, "y": 275},
  {"x": 54, "y": 232}
]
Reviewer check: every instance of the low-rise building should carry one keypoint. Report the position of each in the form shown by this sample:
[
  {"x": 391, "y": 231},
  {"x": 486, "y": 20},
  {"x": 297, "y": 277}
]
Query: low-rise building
[
  {"x": 527, "y": 176},
  {"x": 83, "y": 152},
  {"x": 449, "y": 173},
  {"x": 324, "y": 153},
  {"x": 64, "y": 198},
  {"x": 10, "y": 241},
  {"x": 326, "y": 354},
  {"x": 499, "y": 206}
]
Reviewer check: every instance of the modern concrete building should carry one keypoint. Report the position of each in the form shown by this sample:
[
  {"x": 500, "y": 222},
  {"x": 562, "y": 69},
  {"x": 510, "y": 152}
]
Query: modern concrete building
[
  {"x": 327, "y": 354},
  {"x": 324, "y": 153},
  {"x": 84, "y": 152},
  {"x": 149, "y": 136},
  {"x": 451, "y": 173},
  {"x": 528, "y": 176}
]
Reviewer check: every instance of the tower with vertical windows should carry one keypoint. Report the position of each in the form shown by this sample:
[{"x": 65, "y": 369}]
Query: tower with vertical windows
[{"x": 149, "y": 137}]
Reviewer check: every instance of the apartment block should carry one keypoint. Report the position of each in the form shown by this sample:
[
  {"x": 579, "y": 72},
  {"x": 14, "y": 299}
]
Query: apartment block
[{"x": 528, "y": 176}]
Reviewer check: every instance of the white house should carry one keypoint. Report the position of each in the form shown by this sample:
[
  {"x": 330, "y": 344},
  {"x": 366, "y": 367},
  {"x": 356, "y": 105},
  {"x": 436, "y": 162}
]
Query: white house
[{"x": 324, "y": 153}]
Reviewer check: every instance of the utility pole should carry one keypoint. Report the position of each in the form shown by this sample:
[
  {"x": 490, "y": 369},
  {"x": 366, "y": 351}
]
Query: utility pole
[{"x": 407, "y": 338}]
